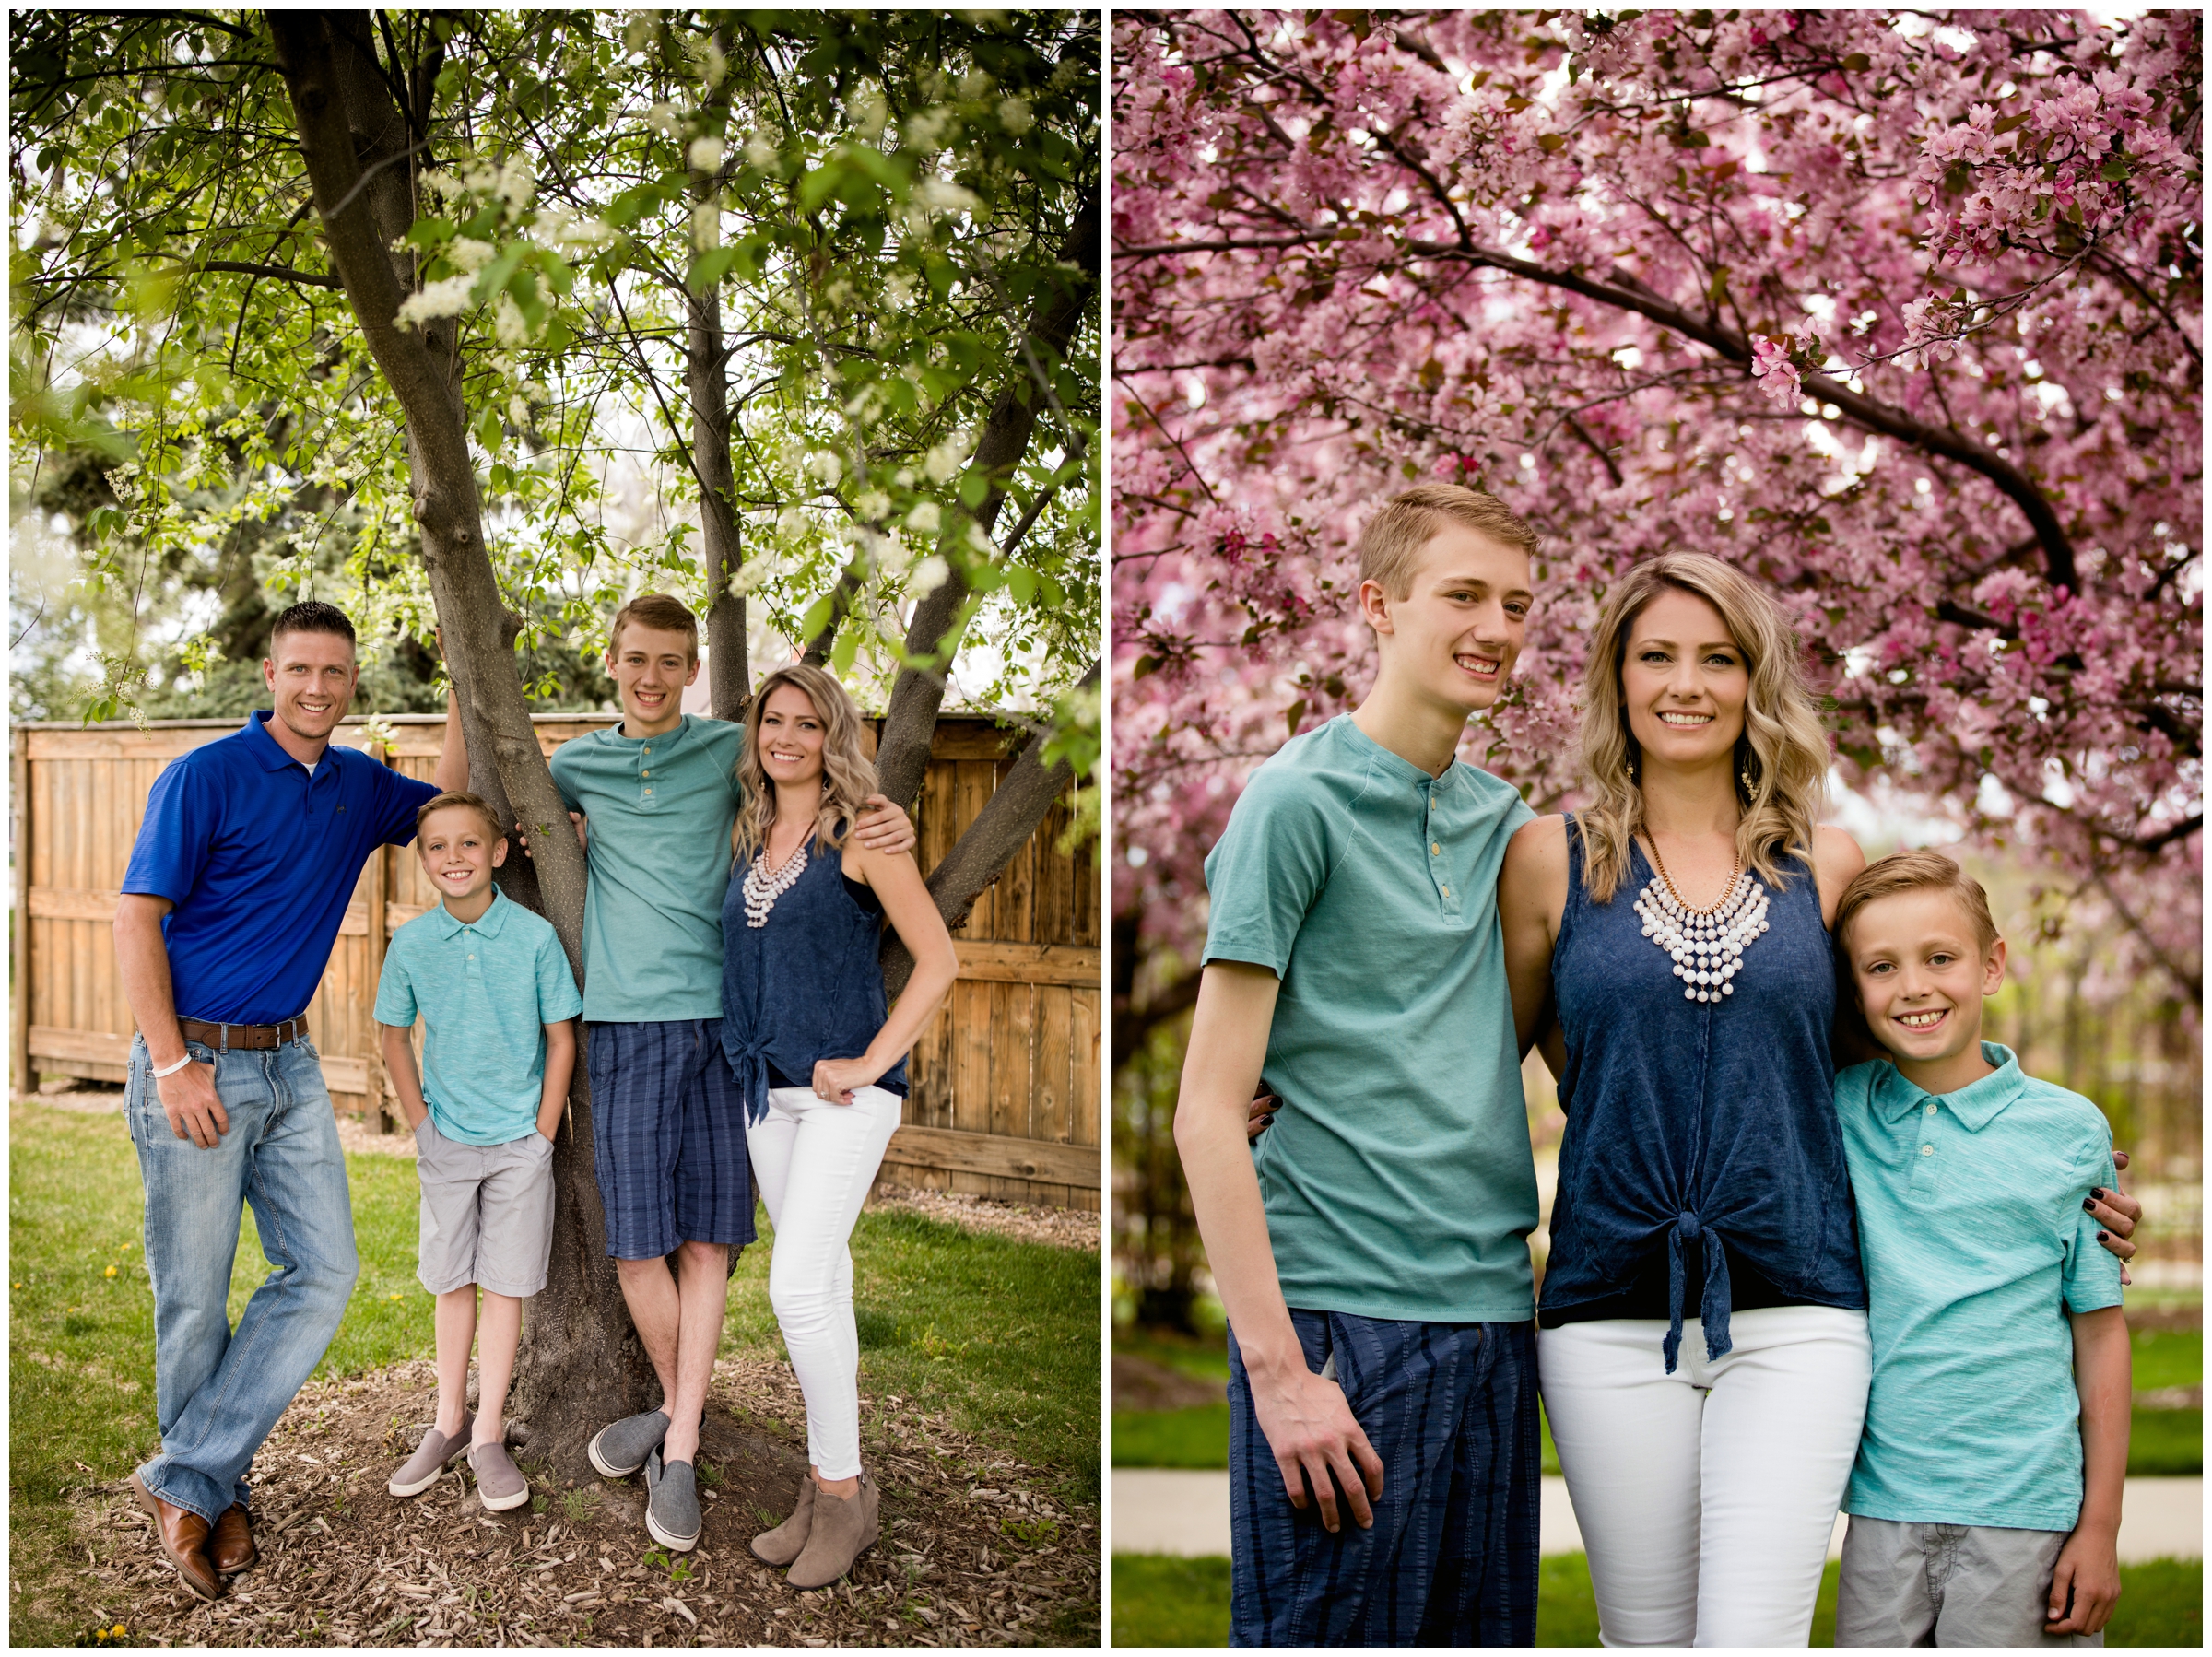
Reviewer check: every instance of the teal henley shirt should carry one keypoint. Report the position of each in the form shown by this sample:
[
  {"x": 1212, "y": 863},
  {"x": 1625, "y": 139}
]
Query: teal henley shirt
[
  {"x": 658, "y": 813},
  {"x": 1976, "y": 1248},
  {"x": 1398, "y": 1175}
]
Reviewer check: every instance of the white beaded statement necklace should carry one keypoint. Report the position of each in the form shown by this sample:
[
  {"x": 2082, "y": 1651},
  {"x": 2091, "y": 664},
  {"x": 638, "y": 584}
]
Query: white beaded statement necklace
[
  {"x": 763, "y": 887},
  {"x": 1707, "y": 945}
]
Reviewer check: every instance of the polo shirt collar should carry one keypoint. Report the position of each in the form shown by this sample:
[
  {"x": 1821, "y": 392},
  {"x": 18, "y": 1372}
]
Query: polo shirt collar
[
  {"x": 1976, "y": 1105},
  {"x": 488, "y": 924},
  {"x": 272, "y": 757}
]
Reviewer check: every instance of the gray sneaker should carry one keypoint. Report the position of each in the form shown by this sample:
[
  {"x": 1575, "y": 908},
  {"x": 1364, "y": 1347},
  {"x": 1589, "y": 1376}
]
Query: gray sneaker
[
  {"x": 500, "y": 1482},
  {"x": 619, "y": 1449},
  {"x": 421, "y": 1469},
  {"x": 671, "y": 1504}
]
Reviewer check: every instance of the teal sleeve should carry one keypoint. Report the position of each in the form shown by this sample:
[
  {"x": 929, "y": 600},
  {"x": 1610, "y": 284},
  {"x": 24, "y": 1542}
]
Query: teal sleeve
[
  {"x": 557, "y": 996},
  {"x": 395, "y": 994},
  {"x": 2091, "y": 1273},
  {"x": 564, "y": 779},
  {"x": 1265, "y": 871}
]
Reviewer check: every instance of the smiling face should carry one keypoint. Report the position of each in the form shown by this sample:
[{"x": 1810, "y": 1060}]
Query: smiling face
[
  {"x": 459, "y": 853},
  {"x": 1921, "y": 973},
  {"x": 1683, "y": 681},
  {"x": 1459, "y": 629},
  {"x": 651, "y": 667},
  {"x": 311, "y": 678},
  {"x": 791, "y": 734}
]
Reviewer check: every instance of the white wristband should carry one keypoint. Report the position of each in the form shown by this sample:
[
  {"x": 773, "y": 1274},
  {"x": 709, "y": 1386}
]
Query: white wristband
[{"x": 173, "y": 1069}]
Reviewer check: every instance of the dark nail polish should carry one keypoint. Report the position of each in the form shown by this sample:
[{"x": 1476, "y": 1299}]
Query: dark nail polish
[
  {"x": 2103, "y": 1237},
  {"x": 2089, "y": 1204}
]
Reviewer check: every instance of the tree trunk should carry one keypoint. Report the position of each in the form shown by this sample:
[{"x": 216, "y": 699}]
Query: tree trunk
[
  {"x": 919, "y": 691},
  {"x": 581, "y": 1364},
  {"x": 729, "y": 686}
]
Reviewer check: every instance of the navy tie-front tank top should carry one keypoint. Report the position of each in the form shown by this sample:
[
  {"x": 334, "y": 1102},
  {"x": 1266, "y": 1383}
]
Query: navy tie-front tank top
[
  {"x": 806, "y": 985},
  {"x": 1701, "y": 1137}
]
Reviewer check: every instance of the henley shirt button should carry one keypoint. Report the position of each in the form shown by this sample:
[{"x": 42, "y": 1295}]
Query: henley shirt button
[
  {"x": 1927, "y": 1150},
  {"x": 1435, "y": 850}
]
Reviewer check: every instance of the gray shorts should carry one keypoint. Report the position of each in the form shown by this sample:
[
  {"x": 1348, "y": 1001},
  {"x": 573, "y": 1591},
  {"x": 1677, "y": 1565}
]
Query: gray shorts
[
  {"x": 1948, "y": 1585},
  {"x": 487, "y": 1213}
]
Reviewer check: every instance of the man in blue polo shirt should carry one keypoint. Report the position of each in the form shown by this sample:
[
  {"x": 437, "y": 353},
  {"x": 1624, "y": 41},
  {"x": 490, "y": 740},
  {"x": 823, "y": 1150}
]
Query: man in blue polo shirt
[{"x": 235, "y": 890}]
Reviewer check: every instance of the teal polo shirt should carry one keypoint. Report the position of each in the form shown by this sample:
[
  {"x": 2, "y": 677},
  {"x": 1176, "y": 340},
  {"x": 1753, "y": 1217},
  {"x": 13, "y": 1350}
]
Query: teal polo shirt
[
  {"x": 485, "y": 989},
  {"x": 1976, "y": 1248},
  {"x": 1398, "y": 1175},
  {"x": 659, "y": 813}
]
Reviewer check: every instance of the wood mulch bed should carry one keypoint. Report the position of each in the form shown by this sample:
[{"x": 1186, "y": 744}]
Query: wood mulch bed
[{"x": 973, "y": 1551}]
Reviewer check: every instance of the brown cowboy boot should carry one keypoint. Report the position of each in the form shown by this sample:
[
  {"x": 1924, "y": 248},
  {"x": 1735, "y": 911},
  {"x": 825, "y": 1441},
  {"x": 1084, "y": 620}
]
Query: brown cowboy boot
[
  {"x": 230, "y": 1544},
  {"x": 181, "y": 1536},
  {"x": 782, "y": 1545}
]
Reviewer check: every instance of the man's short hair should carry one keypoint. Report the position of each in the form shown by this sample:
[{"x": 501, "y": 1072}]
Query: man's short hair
[
  {"x": 660, "y": 612},
  {"x": 462, "y": 798},
  {"x": 1917, "y": 871},
  {"x": 1389, "y": 547},
  {"x": 311, "y": 616}
]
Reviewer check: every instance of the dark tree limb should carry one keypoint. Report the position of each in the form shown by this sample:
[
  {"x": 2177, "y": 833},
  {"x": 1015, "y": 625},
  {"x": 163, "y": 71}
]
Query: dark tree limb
[
  {"x": 707, "y": 381},
  {"x": 931, "y": 636},
  {"x": 1004, "y": 826}
]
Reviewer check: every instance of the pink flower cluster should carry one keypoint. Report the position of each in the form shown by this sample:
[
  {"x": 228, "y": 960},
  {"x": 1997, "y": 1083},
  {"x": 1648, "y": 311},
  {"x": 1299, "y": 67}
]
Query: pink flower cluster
[{"x": 1599, "y": 266}]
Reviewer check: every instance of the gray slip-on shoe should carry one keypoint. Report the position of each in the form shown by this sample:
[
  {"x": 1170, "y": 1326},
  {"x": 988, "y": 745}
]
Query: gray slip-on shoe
[
  {"x": 671, "y": 1504},
  {"x": 500, "y": 1482},
  {"x": 619, "y": 1449},
  {"x": 421, "y": 1470}
]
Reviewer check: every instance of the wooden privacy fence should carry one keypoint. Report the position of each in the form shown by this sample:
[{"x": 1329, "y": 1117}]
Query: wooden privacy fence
[{"x": 1006, "y": 1079}]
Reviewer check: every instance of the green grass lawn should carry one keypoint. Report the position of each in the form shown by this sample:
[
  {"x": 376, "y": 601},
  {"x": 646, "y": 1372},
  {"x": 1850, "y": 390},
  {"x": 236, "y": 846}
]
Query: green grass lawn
[
  {"x": 1160, "y": 1601},
  {"x": 1001, "y": 1337}
]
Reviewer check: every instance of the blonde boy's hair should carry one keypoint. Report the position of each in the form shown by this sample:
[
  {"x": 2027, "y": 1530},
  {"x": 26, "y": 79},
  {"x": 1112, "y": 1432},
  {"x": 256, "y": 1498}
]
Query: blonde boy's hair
[
  {"x": 660, "y": 613},
  {"x": 1389, "y": 547},
  {"x": 467, "y": 802},
  {"x": 1917, "y": 871}
]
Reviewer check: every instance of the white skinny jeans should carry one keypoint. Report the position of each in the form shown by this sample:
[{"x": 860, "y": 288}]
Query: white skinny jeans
[
  {"x": 814, "y": 1162},
  {"x": 1706, "y": 1498}
]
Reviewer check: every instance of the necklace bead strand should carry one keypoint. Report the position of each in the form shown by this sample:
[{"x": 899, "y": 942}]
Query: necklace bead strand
[
  {"x": 763, "y": 887},
  {"x": 1706, "y": 945}
]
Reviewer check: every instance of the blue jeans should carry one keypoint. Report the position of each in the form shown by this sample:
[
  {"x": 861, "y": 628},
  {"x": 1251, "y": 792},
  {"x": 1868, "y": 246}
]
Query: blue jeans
[
  {"x": 1451, "y": 1409},
  {"x": 218, "y": 1393}
]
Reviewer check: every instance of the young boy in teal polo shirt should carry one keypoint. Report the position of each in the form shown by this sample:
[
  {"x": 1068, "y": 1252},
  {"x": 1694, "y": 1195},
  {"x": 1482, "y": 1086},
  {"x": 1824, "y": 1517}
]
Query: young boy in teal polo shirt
[
  {"x": 1371, "y": 1250},
  {"x": 1986, "y": 1501},
  {"x": 495, "y": 993}
]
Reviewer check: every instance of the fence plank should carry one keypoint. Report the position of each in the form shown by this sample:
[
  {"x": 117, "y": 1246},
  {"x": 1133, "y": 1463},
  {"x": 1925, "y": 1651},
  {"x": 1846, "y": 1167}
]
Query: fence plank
[{"x": 990, "y": 1155}]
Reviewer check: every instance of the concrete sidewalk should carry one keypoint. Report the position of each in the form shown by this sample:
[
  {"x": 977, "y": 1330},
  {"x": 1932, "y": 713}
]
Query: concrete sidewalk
[{"x": 1156, "y": 1510}]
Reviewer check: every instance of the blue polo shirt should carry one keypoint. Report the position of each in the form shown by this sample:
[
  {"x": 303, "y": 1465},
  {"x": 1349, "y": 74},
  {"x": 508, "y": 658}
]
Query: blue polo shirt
[
  {"x": 1976, "y": 1248},
  {"x": 485, "y": 989},
  {"x": 260, "y": 860}
]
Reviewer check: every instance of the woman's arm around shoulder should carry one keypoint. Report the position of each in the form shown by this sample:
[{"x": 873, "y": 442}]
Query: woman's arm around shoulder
[
  {"x": 1532, "y": 898},
  {"x": 1836, "y": 858}
]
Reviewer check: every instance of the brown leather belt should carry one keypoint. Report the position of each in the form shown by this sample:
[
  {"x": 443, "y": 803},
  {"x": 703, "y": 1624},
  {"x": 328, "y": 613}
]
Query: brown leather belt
[{"x": 225, "y": 1037}]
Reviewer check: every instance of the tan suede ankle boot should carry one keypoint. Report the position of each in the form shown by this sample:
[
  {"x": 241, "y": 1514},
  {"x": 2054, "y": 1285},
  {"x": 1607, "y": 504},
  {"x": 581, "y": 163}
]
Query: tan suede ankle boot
[
  {"x": 782, "y": 1545},
  {"x": 843, "y": 1527}
]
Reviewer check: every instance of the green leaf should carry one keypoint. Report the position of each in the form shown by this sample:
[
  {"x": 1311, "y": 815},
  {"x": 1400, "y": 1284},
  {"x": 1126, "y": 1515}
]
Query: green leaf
[
  {"x": 710, "y": 268},
  {"x": 1293, "y": 713},
  {"x": 846, "y": 648},
  {"x": 974, "y": 486},
  {"x": 430, "y": 232},
  {"x": 1858, "y": 62},
  {"x": 1552, "y": 143},
  {"x": 1022, "y": 584},
  {"x": 818, "y": 616},
  {"x": 2115, "y": 172},
  {"x": 1146, "y": 665}
]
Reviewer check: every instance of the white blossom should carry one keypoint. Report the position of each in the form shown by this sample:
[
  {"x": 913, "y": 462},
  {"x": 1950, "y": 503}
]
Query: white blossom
[
  {"x": 449, "y": 298},
  {"x": 939, "y": 194},
  {"x": 507, "y": 322},
  {"x": 1013, "y": 115},
  {"x": 925, "y": 519},
  {"x": 872, "y": 504},
  {"x": 930, "y": 574},
  {"x": 929, "y": 129},
  {"x": 791, "y": 523},
  {"x": 826, "y": 465},
  {"x": 470, "y": 255},
  {"x": 977, "y": 83},
  {"x": 947, "y": 458},
  {"x": 518, "y": 410},
  {"x": 706, "y": 155},
  {"x": 760, "y": 151}
]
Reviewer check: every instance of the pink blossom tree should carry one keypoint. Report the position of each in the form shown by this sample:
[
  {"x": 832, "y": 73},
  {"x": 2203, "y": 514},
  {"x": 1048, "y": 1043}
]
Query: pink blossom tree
[{"x": 1899, "y": 312}]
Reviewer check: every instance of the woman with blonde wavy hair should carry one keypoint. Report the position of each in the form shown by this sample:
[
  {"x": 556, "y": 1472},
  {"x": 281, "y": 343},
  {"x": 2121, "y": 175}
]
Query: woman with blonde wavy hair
[
  {"x": 821, "y": 1062},
  {"x": 1668, "y": 945}
]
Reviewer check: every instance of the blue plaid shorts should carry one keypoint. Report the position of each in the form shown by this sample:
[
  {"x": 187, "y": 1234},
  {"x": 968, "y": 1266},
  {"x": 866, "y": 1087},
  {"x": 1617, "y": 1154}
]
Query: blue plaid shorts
[
  {"x": 668, "y": 1137},
  {"x": 1452, "y": 1559}
]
